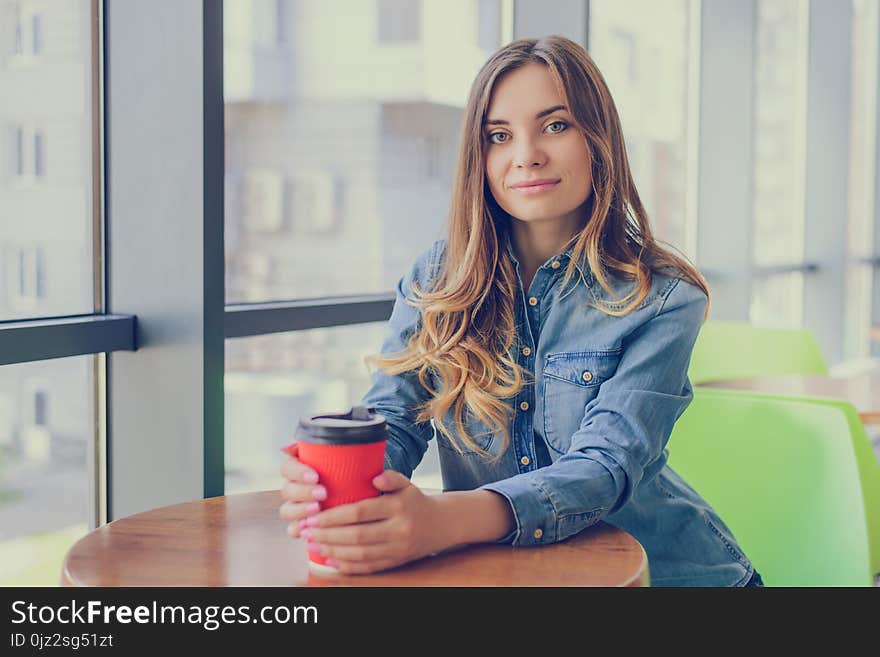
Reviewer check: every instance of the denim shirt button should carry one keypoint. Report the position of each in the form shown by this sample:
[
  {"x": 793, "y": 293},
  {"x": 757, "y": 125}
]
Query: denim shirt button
[
  {"x": 524, "y": 406},
  {"x": 555, "y": 264},
  {"x": 526, "y": 351},
  {"x": 538, "y": 533},
  {"x": 525, "y": 460},
  {"x": 533, "y": 301},
  {"x": 587, "y": 376}
]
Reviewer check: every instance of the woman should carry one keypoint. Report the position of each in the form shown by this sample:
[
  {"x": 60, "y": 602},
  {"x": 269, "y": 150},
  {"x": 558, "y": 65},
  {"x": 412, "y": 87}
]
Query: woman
[{"x": 547, "y": 341}]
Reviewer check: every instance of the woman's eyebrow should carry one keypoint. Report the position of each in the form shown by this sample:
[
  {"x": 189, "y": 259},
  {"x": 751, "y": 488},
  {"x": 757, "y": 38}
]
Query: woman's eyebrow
[{"x": 539, "y": 115}]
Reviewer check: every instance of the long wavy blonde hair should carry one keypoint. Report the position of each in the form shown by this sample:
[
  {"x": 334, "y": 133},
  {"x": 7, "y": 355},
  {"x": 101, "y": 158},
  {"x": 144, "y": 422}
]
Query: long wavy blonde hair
[{"x": 461, "y": 350}]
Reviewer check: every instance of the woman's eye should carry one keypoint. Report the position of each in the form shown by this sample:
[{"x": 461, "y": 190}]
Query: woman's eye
[
  {"x": 556, "y": 127},
  {"x": 498, "y": 137}
]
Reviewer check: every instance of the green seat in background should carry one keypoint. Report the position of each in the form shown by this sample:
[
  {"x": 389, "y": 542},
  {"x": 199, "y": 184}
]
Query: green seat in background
[
  {"x": 868, "y": 465},
  {"x": 785, "y": 477},
  {"x": 738, "y": 350}
]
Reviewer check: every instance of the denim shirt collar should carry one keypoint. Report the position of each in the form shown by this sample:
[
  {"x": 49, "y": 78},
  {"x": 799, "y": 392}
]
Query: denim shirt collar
[{"x": 563, "y": 258}]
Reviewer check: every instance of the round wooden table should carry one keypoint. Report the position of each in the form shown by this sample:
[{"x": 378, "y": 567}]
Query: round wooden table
[{"x": 239, "y": 540}]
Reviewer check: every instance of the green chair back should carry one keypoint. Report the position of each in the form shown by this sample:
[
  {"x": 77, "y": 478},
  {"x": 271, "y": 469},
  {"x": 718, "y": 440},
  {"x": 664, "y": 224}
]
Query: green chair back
[
  {"x": 737, "y": 350},
  {"x": 868, "y": 465},
  {"x": 784, "y": 475}
]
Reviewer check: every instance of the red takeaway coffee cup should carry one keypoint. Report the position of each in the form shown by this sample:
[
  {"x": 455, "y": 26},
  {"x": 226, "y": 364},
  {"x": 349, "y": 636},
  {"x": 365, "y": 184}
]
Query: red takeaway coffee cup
[{"x": 347, "y": 450}]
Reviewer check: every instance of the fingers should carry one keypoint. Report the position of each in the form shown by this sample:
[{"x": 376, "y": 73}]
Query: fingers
[
  {"x": 300, "y": 501},
  {"x": 369, "y": 510},
  {"x": 292, "y": 491},
  {"x": 292, "y": 449},
  {"x": 294, "y": 470},
  {"x": 363, "y": 567},
  {"x": 390, "y": 480},
  {"x": 353, "y": 553},
  {"x": 363, "y": 534},
  {"x": 295, "y": 511}
]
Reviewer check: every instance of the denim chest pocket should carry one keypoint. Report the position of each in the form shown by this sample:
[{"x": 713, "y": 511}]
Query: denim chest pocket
[{"x": 570, "y": 381}]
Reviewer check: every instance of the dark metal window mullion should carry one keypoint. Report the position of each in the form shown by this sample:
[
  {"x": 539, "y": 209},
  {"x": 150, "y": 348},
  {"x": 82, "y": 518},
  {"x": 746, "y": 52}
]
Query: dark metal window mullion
[{"x": 42, "y": 339}]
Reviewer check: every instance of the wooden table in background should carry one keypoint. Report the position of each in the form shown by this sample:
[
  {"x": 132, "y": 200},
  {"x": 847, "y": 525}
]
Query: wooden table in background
[
  {"x": 239, "y": 540},
  {"x": 861, "y": 390}
]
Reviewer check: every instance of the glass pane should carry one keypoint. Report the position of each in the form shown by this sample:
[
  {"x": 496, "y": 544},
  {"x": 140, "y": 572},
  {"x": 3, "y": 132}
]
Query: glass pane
[
  {"x": 339, "y": 161},
  {"x": 862, "y": 172},
  {"x": 776, "y": 300},
  {"x": 779, "y": 115},
  {"x": 46, "y": 438},
  {"x": 272, "y": 380},
  {"x": 45, "y": 159},
  {"x": 643, "y": 50}
]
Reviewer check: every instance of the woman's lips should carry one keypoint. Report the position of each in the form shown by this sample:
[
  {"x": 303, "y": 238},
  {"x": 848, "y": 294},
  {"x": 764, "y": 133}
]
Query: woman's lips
[{"x": 536, "y": 189}]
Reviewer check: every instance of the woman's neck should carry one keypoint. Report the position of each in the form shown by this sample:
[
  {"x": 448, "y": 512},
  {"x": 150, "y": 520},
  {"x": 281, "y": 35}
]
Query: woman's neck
[{"x": 536, "y": 242}]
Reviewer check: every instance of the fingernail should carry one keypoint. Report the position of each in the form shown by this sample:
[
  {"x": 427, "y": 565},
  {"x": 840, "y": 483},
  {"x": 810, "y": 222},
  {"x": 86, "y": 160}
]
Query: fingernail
[
  {"x": 301, "y": 524},
  {"x": 313, "y": 507},
  {"x": 316, "y": 548},
  {"x": 319, "y": 493},
  {"x": 310, "y": 477},
  {"x": 332, "y": 563},
  {"x": 306, "y": 534},
  {"x": 312, "y": 521}
]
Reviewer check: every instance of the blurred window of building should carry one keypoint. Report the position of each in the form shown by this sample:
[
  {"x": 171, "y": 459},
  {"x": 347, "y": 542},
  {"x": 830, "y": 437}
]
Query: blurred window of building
[
  {"x": 26, "y": 21},
  {"x": 25, "y": 278},
  {"x": 26, "y": 153}
]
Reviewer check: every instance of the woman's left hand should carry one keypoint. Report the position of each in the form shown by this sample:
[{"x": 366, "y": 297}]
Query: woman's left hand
[{"x": 378, "y": 533}]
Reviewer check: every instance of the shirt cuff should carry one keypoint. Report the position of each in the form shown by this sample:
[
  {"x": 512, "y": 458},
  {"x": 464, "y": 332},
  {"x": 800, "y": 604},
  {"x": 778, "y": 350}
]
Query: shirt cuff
[{"x": 532, "y": 508}]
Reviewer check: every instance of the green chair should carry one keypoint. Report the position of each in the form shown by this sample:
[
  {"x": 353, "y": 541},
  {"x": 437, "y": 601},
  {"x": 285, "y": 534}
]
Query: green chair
[
  {"x": 868, "y": 465},
  {"x": 784, "y": 475},
  {"x": 738, "y": 350}
]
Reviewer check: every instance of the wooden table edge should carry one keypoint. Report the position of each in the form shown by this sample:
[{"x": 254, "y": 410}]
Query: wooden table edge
[{"x": 639, "y": 578}]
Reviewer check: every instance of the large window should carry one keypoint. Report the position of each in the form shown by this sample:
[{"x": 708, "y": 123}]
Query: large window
[
  {"x": 778, "y": 148},
  {"x": 273, "y": 381},
  {"x": 47, "y": 268},
  {"x": 339, "y": 160},
  {"x": 863, "y": 234},
  {"x": 46, "y": 237},
  {"x": 338, "y": 171},
  {"x": 46, "y": 446},
  {"x": 643, "y": 49}
]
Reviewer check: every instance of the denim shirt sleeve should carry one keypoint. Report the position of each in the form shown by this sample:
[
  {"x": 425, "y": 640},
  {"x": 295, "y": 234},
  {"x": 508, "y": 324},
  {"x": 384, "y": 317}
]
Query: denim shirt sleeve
[
  {"x": 623, "y": 430},
  {"x": 397, "y": 396}
]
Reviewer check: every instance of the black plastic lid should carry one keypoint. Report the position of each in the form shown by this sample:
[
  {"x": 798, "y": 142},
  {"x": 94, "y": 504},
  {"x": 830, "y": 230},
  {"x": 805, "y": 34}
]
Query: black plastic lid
[{"x": 359, "y": 425}]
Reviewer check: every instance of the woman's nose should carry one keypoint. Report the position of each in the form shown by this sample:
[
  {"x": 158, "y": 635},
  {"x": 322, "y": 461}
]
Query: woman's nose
[{"x": 527, "y": 155}]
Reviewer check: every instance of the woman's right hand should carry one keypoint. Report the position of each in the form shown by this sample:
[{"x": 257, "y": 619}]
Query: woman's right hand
[{"x": 301, "y": 493}]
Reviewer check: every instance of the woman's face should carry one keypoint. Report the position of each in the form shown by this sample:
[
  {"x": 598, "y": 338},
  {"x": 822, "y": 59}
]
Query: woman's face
[{"x": 531, "y": 138}]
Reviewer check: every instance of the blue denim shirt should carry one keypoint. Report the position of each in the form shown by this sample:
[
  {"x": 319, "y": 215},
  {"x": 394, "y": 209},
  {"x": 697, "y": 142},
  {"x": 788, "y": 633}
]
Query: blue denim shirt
[{"x": 606, "y": 393}]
